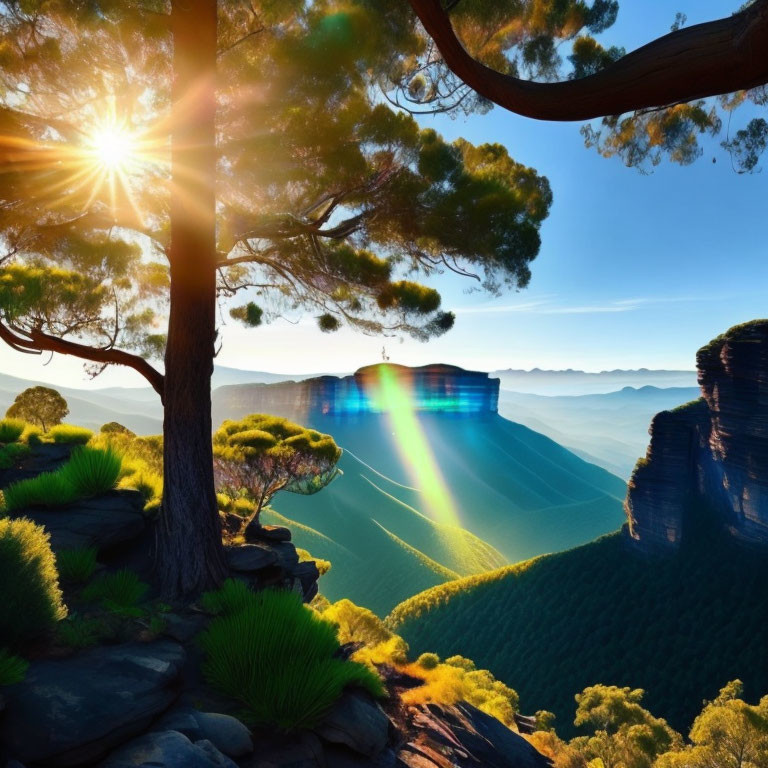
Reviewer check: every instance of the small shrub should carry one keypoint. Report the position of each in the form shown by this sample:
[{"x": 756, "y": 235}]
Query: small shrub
[
  {"x": 92, "y": 471},
  {"x": 76, "y": 565},
  {"x": 243, "y": 507},
  {"x": 232, "y": 596},
  {"x": 50, "y": 489},
  {"x": 428, "y": 660},
  {"x": 31, "y": 602},
  {"x": 78, "y": 632},
  {"x": 223, "y": 502},
  {"x": 119, "y": 592},
  {"x": 32, "y": 435},
  {"x": 11, "y": 430},
  {"x": 276, "y": 656},
  {"x": 11, "y": 453},
  {"x": 69, "y": 433},
  {"x": 12, "y": 668},
  {"x": 147, "y": 483}
]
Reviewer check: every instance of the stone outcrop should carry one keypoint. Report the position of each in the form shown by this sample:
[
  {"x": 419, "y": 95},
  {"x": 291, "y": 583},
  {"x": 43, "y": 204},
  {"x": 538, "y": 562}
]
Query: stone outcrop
[
  {"x": 710, "y": 453},
  {"x": 373, "y": 389}
]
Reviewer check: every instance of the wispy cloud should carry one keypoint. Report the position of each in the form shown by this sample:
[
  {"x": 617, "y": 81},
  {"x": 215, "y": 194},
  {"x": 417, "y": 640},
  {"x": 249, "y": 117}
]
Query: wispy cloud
[{"x": 550, "y": 306}]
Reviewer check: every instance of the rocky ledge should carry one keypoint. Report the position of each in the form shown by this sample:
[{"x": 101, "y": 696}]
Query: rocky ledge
[{"x": 711, "y": 453}]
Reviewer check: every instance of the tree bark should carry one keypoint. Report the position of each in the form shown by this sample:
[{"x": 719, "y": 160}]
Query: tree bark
[
  {"x": 189, "y": 550},
  {"x": 703, "y": 60}
]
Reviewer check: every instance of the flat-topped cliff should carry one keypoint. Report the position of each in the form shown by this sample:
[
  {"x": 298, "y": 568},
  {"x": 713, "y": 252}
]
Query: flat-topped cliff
[
  {"x": 379, "y": 388},
  {"x": 711, "y": 453}
]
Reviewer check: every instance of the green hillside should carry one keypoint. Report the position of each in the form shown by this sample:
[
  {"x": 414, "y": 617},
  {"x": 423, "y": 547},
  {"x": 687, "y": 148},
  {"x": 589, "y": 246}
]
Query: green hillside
[
  {"x": 678, "y": 626},
  {"x": 505, "y": 492}
]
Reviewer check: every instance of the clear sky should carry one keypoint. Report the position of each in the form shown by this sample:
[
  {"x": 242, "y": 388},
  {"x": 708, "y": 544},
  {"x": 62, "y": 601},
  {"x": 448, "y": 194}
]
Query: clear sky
[{"x": 635, "y": 270}]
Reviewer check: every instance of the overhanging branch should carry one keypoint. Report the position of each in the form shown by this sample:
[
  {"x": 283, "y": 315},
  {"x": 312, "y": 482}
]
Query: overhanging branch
[{"x": 695, "y": 62}]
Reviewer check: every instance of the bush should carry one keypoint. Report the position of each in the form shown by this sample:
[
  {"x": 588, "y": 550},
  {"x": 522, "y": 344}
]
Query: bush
[
  {"x": 50, "y": 489},
  {"x": 77, "y": 632},
  {"x": 69, "y": 433},
  {"x": 118, "y": 592},
  {"x": 428, "y": 660},
  {"x": 76, "y": 565},
  {"x": 92, "y": 471},
  {"x": 12, "y": 668},
  {"x": 32, "y": 435},
  {"x": 11, "y": 430},
  {"x": 31, "y": 601},
  {"x": 277, "y": 657},
  {"x": 11, "y": 453}
]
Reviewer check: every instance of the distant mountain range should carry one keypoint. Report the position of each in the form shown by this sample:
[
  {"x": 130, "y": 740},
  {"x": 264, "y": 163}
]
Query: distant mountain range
[{"x": 610, "y": 429}]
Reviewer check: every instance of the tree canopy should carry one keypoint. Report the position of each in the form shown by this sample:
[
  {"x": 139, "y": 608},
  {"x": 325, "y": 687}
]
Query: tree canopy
[
  {"x": 263, "y": 454},
  {"x": 329, "y": 200},
  {"x": 543, "y": 59},
  {"x": 42, "y": 406}
]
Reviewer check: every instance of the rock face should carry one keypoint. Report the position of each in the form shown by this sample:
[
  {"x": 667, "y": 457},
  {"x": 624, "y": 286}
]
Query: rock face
[
  {"x": 431, "y": 388},
  {"x": 713, "y": 451},
  {"x": 72, "y": 711}
]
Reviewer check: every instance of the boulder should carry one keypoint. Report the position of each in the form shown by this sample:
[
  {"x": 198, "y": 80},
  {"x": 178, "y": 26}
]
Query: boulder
[
  {"x": 287, "y": 556},
  {"x": 225, "y": 732},
  {"x": 100, "y": 522},
  {"x": 72, "y": 711},
  {"x": 250, "y": 557},
  {"x": 255, "y": 531},
  {"x": 167, "y": 749},
  {"x": 357, "y": 722},
  {"x": 462, "y": 736},
  {"x": 342, "y": 757}
]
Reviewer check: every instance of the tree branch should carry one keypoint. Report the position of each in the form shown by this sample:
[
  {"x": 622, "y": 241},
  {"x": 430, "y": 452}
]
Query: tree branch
[
  {"x": 35, "y": 342},
  {"x": 703, "y": 60}
]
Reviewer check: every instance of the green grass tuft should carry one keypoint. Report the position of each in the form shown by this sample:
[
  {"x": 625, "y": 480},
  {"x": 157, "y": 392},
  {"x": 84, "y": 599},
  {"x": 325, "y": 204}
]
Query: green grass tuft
[
  {"x": 118, "y": 592},
  {"x": 69, "y": 433},
  {"x": 10, "y": 453},
  {"x": 49, "y": 489},
  {"x": 78, "y": 632},
  {"x": 232, "y": 596},
  {"x": 12, "y": 668},
  {"x": 30, "y": 601},
  {"x": 276, "y": 656},
  {"x": 76, "y": 566},
  {"x": 11, "y": 430},
  {"x": 92, "y": 471}
]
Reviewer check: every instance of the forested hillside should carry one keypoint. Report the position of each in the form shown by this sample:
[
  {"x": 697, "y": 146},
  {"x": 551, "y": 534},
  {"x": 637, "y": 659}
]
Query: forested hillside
[{"x": 678, "y": 626}]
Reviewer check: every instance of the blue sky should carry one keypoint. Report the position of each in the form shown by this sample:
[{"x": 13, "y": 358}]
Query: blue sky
[{"x": 634, "y": 271}]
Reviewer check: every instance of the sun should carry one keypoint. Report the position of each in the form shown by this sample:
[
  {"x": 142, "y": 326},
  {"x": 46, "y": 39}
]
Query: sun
[{"x": 113, "y": 147}]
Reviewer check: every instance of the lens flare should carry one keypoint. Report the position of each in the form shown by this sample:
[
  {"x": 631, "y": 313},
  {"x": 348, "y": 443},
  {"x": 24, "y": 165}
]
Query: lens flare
[{"x": 113, "y": 147}]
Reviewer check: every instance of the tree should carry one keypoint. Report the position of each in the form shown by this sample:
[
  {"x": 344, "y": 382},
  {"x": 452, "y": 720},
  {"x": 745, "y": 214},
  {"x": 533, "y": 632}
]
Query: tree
[
  {"x": 289, "y": 179},
  {"x": 42, "y": 406},
  {"x": 729, "y": 733},
  {"x": 626, "y": 735},
  {"x": 264, "y": 454},
  {"x": 652, "y": 100}
]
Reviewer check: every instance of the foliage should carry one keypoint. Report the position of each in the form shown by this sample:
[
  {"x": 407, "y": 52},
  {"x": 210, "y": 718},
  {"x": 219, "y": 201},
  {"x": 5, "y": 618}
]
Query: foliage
[
  {"x": 69, "y": 433},
  {"x": 41, "y": 406},
  {"x": 31, "y": 600},
  {"x": 11, "y": 430},
  {"x": 76, "y": 566},
  {"x": 80, "y": 632},
  {"x": 92, "y": 471},
  {"x": 323, "y": 566},
  {"x": 49, "y": 489},
  {"x": 11, "y": 453},
  {"x": 232, "y": 596},
  {"x": 263, "y": 454},
  {"x": 89, "y": 472},
  {"x": 277, "y": 657},
  {"x": 613, "y": 626},
  {"x": 115, "y": 427},
  {"x": 12, "y": 668},
  {"x": 118, "y": 592}
]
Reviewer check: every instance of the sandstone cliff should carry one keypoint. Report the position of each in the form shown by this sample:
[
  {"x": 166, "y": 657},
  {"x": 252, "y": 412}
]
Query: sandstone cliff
[{"x": 711, "y": 453}]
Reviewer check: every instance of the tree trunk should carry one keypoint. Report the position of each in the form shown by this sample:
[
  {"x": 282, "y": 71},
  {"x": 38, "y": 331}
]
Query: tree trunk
[{"x": 189, "y": 551}]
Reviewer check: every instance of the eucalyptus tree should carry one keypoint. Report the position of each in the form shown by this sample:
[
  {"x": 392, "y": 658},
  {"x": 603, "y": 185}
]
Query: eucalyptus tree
[{"x": 160, "y": 158}]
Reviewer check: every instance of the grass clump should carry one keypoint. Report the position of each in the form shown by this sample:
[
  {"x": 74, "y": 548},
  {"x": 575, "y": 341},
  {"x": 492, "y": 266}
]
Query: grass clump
[
  {"x": 49, "y": 489},
  {"x": 31, "y": 601},
  {"x": 119, "y": 592},
  {"x": 92, "y": 471},
  {"x": 69, "y": 433},
  {"x": 76, "y": 566},
  {"x": 233, "y": 595},
  {"x": 276, "y": 656},
  {"x": 11, "y": 430},
  {"x": 10, "y": 453},
  {"x": 77, "y": 632},
  {"x": 12, "y": 668}
]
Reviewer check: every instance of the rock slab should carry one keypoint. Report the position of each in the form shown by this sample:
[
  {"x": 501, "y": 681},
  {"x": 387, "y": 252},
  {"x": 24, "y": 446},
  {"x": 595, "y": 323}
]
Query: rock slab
[{"x": 167, "y": 749}]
